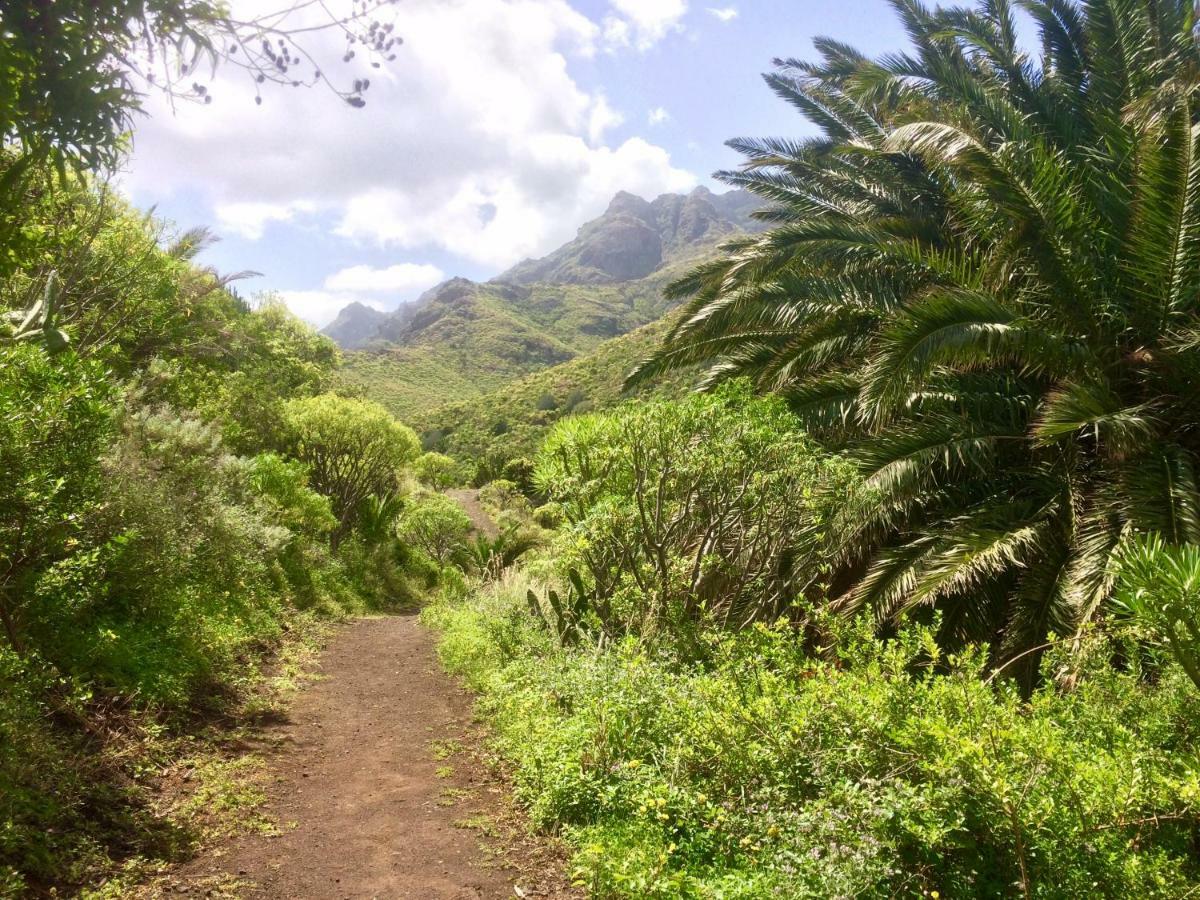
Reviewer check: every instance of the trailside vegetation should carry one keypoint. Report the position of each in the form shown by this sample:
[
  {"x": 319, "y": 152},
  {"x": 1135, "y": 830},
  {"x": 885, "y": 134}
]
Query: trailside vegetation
[
  {"x": 906, "y": 605},
  {"x": 696, "y": 726},
  {"x": 980, "y": 279},
  {"x": 181, "y": 493}
]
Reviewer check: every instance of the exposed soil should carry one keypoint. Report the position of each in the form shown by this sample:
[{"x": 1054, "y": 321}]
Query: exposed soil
[
  {"x": 468, "y": 499},
  {"x": 380, "y": 790}
]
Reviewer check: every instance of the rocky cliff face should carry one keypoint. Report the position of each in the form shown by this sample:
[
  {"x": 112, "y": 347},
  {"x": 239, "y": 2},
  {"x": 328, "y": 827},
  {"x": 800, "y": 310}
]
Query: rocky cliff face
[
  {"x": 355, "y": 326},
  {"x": 634, "y": 237}
]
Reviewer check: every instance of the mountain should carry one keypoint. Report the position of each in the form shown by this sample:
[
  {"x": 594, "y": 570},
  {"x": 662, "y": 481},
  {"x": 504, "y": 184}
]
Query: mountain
[
  {"x": 635, "y": 237},
  {"x": 462, "y": 339},
  {"x": 355, "y": 326}
]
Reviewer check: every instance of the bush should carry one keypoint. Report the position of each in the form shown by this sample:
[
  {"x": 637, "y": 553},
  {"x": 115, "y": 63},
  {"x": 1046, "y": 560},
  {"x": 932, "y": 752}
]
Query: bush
[
  {"x": 887, "y": 770},
  {"x": 436, "y": 525},
  {"x": 688, "y": 513},
  {"x": 55, "y": 419},
  {"x": 437, "y": 470},
  {"x": 354, "y": 449}
]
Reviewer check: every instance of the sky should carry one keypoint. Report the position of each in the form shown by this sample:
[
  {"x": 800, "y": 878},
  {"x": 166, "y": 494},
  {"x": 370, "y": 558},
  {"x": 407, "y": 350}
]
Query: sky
[{"x": 500, "y": 128}]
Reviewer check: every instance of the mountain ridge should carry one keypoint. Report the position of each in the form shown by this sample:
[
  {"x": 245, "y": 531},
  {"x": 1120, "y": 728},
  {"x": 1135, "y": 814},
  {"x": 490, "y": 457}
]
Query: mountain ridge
[
  {"x": 631, "y": 239},
  {"x": 462, "y": 339}
]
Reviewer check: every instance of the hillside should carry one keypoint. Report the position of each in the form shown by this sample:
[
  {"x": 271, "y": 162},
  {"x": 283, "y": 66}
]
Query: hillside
[
  {"x": 510, "y": 422},
  {"x": 463, "y": 339}
]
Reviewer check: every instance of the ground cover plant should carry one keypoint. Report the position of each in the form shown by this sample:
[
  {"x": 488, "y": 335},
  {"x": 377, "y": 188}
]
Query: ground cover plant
[
  {"x": 878, "y": 770},
  {"x": 728, "y": 745}
]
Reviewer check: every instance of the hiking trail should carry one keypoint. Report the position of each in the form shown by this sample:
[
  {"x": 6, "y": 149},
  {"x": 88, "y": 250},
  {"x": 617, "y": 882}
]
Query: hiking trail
[{"x": 377, "y": 791}]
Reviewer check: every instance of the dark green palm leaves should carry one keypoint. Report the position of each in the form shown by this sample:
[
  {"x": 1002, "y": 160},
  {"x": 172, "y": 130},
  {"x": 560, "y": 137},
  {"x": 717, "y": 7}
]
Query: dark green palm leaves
[{"x": 982, "y": 279}]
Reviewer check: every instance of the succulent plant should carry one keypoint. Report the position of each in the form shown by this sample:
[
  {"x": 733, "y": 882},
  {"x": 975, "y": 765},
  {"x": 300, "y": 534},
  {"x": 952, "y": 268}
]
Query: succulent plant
[
  {"x": 36, "y": 323},
  {"x": 571, "y": 617}
]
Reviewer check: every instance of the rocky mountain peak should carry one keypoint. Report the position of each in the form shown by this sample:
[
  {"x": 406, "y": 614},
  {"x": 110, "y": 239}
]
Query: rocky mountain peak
[
  {"x": 355, "y": 326},
  {"x": 633, "y": 238}
]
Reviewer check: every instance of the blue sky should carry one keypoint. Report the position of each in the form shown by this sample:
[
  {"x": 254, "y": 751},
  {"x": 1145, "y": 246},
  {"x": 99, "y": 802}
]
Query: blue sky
[{"x": 502, "y": 126}]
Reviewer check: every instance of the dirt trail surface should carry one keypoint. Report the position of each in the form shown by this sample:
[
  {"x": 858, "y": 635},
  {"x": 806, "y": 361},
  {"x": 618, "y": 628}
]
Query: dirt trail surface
[
  {"x": 468, "y": 499},
  {"x": 377, "y": 791}
]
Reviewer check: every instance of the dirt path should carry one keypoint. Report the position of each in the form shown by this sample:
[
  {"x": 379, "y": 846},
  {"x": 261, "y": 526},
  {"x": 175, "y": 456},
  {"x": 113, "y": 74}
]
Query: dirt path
[
  {"x": 377, "y": 792},
  {"x": 468, "y": 499}
]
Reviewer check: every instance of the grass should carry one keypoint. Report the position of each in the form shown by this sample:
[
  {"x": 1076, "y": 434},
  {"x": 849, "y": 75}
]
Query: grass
[{"x": 200, "y": 786}]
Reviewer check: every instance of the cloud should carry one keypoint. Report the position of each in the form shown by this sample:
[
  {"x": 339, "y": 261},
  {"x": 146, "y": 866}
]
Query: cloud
[
  {"x": 405, "y": 278},
  {"x": 362, "y": 284},
  {"x": 724, "y": 13},
  {"x": 658, "y": 116},
  {"x": 319, "y": 308},
  {"x": 642, "y": 23},
  {"x": 602, "y": 118},
  {"x": 476, "y": 141},
  {"x": 575, "y": 182},
  {"x": 249, "y": 219}
]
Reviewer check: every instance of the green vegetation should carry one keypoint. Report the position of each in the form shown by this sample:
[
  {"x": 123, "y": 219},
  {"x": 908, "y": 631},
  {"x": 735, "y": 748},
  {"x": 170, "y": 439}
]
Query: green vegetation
[
  {"x": 924, "y": 624},
  {"x": 437, "y": 470},
  {"x": 982, "y": 287},
  {"x": 353, "y": 450},
  {"x": 685, "y": 514},
  {"x": 471, "y": 432},
  {"x": 905, "y": 604},
  {"x": 437, "y": 526},
  {"x": 881, "y": 770},
  {"x": 688, "y": 753},
  {"x": 474, "y": 340},
  {"x": 182, "y": 495}
]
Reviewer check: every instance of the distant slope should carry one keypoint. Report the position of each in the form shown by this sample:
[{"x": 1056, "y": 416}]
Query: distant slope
[
  {"x": 510, "y": 422},
  {"x": 468, "y": 339},
  {"x": 355, "y": 326}
]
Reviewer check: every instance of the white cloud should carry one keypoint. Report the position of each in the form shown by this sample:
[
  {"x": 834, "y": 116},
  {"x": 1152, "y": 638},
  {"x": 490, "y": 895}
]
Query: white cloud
[
  {"x": 658, "y": 116},
  {"x": 517, "y": 229},
  {"x": 642, "y": 23},
  {"x": 602, "y": 118},
  {"x": 249, "y": 219},
  {"x": 477, "y": 140},
  {"x": 405, "y": 278},
  {"x": 321, "y": 307},
  {"x": 724, "y": 13}
]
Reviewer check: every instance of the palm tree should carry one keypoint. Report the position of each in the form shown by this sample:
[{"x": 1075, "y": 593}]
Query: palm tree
[{"x": 982, "y": 281}]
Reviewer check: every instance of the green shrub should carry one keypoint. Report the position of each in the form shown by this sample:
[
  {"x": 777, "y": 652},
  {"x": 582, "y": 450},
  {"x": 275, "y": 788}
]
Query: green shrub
[
  {"x": 353, "y": 449},
  {"x": 886, "y": 770},
  {"x": 437, "y": 470},
  {"x": 55, "y": 419},
  {"x": 1159, "y": 586},
  {"x": 688, "y": 513},
  {"x": 436, "y": 525}
]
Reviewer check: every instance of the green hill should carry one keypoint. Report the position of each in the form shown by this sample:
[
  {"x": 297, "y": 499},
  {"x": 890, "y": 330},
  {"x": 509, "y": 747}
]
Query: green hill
[
  {"x": 463, "y": 340},
  {"x": 509, "y": 423}
]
